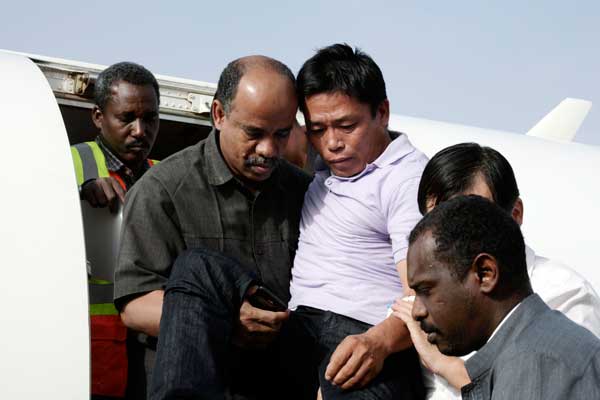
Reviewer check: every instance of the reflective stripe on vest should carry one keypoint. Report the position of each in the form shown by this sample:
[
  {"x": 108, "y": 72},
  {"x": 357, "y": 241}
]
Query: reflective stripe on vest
[
  {"x": 101, "y": 294},
  {"x": 89, "y": 162}
]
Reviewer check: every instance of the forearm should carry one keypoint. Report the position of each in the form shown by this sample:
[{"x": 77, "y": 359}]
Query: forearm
[
  {"x": 143, "y": 313},
  {"x": 391, "y": 334},
  {"x": 452, "y": 369}
]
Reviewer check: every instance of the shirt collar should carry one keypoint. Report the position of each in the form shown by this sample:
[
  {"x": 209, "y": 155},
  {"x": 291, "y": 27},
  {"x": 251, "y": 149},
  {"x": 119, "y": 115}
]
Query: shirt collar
[
  {"x": 217, "y": 171},
  {"x": 398, "y": 148},
  {"x": 112, "y": 161},
  {"x": 529, "y": 259},
  {"x": 506, "y": 317},
  {"x": 114, "y": 164}
]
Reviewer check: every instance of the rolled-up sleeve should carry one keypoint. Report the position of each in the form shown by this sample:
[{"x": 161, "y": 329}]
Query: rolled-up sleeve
[{"x": 150, "y": 241}]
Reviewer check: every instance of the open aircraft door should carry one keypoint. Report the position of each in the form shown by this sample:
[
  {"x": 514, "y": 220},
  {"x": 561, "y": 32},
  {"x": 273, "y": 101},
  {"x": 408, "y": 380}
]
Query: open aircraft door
[{"x": 44, "y": 335}]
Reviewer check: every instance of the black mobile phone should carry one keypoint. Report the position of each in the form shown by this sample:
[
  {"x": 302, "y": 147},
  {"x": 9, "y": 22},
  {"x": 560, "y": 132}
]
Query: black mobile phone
[{"x": 265, "y": 299}]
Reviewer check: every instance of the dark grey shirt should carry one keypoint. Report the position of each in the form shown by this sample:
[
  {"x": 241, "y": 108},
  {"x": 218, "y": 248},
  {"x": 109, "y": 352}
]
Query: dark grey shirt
[
  {"x": 537, "y": 353},
  {"x": 190, "y": 200}
]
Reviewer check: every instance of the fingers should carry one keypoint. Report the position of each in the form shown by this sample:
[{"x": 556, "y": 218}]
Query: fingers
[
  {"x": 354, "y": 363},
  {"x": 92, "y": 194},
  {"x": 353, "y": 372},
  {"x": 364, "y": 375},
  {"x": 429, "y": 353},
  {"x": 338, "y": 359},
  {"x": 262, "y": 320},
  {"x": 402, "y": 308},
  {"x": 403, "y": 311},
  {"x": 120, "y": 192},
  {"x": 258, "y": 327},
  {"x": 403, "y": 300},
  {"x": 113, "y": 192},
  {"x": 103, "y": 192}
]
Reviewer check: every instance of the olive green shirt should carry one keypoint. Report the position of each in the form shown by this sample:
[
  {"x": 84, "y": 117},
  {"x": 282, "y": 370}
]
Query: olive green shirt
[{"x": 192, "y": 199}]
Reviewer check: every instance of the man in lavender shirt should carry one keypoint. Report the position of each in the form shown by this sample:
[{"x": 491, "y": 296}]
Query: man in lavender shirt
[
  {"x": 358, "y": 211},
  {"x": 356, "y": 216}
]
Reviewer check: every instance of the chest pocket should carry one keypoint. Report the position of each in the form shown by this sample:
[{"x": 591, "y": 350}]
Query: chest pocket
[{"x": 220, "y": 222}]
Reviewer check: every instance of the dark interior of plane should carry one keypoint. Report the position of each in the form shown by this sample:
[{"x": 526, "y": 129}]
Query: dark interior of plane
[{"x": 172, "y": 136}]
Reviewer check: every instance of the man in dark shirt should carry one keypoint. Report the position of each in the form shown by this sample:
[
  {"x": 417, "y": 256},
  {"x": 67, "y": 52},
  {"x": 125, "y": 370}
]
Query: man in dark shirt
[{"x": 229, "y": 195}]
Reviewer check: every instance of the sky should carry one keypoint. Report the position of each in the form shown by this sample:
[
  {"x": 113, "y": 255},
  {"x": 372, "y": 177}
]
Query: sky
[{"x": 498, "y": 65}]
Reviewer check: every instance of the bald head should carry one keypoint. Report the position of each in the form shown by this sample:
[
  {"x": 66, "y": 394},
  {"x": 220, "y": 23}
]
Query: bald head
[
  {"x": 254, "y": 110},
  {"x": 256, "y": 66}
]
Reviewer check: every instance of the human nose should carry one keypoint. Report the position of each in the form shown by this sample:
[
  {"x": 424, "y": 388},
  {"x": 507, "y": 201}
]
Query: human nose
[
  {"x": 267, "y": 148},
  {"x": 333, "y": 141},
  {"x": 138, "y": 128},
  {"x": 419, "y": 312}
]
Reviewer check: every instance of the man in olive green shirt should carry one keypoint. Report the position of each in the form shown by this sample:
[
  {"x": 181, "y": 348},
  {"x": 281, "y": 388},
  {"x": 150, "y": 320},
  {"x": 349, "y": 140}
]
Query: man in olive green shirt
[{"x": 230, "y": 193}]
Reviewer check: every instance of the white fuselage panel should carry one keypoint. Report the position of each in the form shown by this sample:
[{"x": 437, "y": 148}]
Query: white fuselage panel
[
  {"x": 558, "y": 183},
  {"x": 44, "y": 334}
]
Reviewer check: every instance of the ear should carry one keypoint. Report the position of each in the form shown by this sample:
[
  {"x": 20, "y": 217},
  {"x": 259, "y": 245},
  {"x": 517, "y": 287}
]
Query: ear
[
  {"x": 517, "y": 211},
  {"x": 217, "y": 112},
  {"x": 487, "y": 273},
  {"x": 430, "y": 203},
  {"x": 383, "y": 112},
  {"x": 97, "y": 117}
]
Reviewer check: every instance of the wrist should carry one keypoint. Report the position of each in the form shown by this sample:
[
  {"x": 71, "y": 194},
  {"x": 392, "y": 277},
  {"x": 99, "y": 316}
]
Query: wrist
[
  {"x": 381, "y": 341},
  {"x": 452, "y": 369},
  {"x": 83, "y": 184}
]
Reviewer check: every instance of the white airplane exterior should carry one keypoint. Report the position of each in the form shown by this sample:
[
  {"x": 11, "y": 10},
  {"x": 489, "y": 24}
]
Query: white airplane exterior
[{"x": 44, "y": 340}]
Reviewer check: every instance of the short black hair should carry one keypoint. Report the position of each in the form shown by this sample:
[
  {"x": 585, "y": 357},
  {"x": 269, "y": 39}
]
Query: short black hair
[
  {"x": 338, "y": 68},
  {"x": 466, "y": 226},
  {"x": 235, "y": 70},
  {"x": 125, "y": 71},
  {"x": 452, "y": 171}
]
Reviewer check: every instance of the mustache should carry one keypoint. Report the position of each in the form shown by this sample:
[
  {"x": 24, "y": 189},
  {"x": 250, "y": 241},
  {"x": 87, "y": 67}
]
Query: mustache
[
  {"x": 137, "y": 143},
  {"x": 261, "y": 161},
  {"x": 427, "y": 328}
]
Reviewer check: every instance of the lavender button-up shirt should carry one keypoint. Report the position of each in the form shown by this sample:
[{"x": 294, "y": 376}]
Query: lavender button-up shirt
[{"x": 353, "y": 233}]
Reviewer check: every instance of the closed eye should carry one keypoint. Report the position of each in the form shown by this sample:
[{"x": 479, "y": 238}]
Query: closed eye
[
  {"x": 253, "y": 133},
  {"x": 348, "y": 127},
  {"x": 151, "y": 117},
  {"x": 127, "y": 118},
  {"x": 422, "y": 290},
  {"x": 315, "y": 131},
  {"x": 283, "y": 133}
]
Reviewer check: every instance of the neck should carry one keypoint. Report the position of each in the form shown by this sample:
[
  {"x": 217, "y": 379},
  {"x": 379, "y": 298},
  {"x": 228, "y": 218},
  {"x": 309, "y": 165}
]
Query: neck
[
  {"x": 136, "y": 169},
  {"x": 501, "y": 310},
  {"x": 134, "y": 166},
  {"x": 380, "y": 145}
]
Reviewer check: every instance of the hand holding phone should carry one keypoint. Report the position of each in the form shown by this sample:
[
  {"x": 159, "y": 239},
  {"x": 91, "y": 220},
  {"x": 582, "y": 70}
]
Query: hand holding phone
[
  {"x": 261, "y": 316},
  {"x": 265, "y": 299}
]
